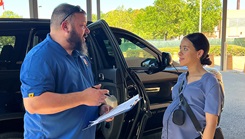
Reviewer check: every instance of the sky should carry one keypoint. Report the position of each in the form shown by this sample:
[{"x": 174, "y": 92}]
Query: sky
[{"x": 45, "y": 7}]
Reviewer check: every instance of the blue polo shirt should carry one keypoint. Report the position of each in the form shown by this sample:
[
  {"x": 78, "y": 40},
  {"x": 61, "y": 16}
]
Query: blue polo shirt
[
  {"x": 203, "y": 96},
  {"x": 48, "y": 67}
]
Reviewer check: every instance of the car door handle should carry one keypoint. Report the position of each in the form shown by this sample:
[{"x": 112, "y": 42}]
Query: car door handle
[
  {"x": 101, "y": 76},
  {"x": 152, "y": 90}
]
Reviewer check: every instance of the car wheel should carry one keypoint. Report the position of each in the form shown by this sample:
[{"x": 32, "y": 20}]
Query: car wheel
[
  {"x": 111, "y": 130},
  {"x": 11, "y": 135}
]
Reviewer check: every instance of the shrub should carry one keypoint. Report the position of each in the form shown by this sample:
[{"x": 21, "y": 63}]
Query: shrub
[{"x": 214, "y": 50}]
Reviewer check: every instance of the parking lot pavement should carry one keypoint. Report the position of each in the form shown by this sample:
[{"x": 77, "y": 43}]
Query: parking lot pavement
[{"x": 233, "y": 117}]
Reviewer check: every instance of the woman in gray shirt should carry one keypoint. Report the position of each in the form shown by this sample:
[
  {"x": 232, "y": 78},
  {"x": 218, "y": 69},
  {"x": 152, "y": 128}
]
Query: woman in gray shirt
[{"x": 200, "y": 88}]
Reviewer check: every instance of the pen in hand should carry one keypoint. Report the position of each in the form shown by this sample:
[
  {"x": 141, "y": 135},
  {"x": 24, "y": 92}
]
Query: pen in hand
[{"x": 105, "y": 94}]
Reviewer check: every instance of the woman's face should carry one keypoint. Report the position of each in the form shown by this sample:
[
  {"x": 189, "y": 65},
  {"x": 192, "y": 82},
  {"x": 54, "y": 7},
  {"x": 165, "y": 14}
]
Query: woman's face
[{"x": 188, "y": 54}]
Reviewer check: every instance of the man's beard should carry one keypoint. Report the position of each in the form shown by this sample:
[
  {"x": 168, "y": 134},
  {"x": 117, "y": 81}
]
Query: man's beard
[
  {"x": 77, "y": 43},
  {"x": 84, "y": 48}
]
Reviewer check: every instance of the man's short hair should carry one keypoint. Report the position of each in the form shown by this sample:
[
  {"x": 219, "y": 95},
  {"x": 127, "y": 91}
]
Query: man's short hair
[{"x": 63, "y": 12}]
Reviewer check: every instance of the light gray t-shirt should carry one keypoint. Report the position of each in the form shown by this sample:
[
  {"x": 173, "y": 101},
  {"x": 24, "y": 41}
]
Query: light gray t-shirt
[{"x": 203, "y": 96}]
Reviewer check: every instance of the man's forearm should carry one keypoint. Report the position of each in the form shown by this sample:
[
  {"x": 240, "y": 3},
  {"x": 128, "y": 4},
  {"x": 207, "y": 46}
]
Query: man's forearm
[{"x": 50, "y": 103}]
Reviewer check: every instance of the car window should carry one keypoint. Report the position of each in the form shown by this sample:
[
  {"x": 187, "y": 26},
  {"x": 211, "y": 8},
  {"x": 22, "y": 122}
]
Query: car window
[
  {"x": 133, "y": 51},
  {"x": 39, "y": 36},
  {"x": 104, "y": 48},
  {"x": 7, "y": 44},
  {"x": 6, "y": 40},
  {"x": 12, "y": 48},
  {"x": 36, "y": 36},
  {"x": 10, "y": 62}
]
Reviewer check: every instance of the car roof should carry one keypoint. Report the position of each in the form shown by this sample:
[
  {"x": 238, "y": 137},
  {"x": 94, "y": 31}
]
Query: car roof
[{"x": 23, "y": 23}]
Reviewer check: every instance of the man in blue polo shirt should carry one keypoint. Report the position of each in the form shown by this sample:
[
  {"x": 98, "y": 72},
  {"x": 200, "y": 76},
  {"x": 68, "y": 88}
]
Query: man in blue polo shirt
[{"x": 57, "y": 79}]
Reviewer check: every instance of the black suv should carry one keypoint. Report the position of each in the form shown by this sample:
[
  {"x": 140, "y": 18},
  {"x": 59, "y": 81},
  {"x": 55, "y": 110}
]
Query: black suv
[{"x": 122, "y": 62}]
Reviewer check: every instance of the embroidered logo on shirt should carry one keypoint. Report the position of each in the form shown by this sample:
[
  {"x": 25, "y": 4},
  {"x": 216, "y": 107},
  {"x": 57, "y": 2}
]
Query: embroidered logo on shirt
[
  {"x": 84, "y": 60},
  {"x": 31, "y": 95}
]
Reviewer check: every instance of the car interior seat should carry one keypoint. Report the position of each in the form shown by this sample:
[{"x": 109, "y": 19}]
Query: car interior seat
[{"x": 6, "y": 56}]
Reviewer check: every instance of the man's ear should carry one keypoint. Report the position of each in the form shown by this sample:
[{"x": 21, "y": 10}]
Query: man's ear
[{"x": 64, "y": 26}]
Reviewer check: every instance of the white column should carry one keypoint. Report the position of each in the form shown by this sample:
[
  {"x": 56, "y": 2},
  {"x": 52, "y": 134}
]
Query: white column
[
  {"x": 89, "y": 10},
  {"x": 223, "y": 60},
  {"x": 33, "y": 8},
  {"x": 98, "y": 9}
]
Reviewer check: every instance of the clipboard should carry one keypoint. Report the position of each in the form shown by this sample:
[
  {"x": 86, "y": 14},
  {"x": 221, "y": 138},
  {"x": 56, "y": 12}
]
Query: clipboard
[{"x": 122, "y": 108}]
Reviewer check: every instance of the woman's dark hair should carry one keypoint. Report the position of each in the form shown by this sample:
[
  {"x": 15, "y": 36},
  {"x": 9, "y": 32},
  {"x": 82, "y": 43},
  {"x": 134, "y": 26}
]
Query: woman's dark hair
[{"x": 200, "y": 42}]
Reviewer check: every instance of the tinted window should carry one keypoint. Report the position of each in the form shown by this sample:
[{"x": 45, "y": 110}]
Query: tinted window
[
  {"x": 133, "y": 51},
  {"x": 7, "y": 44},
  {"x": 104, "y": 48}
]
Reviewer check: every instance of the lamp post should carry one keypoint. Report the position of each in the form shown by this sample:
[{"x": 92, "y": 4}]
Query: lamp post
[
  {"x": 200, "y": 17},
  {"x": 98, "y": 9}
]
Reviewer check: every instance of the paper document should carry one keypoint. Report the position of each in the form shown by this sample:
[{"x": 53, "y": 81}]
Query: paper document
[{"x": 122, "y": 108}]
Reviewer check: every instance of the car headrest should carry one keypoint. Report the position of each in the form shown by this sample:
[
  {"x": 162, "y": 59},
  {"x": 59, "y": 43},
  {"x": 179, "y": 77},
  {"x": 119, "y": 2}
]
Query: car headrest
[{"x": 7, "y": 53}]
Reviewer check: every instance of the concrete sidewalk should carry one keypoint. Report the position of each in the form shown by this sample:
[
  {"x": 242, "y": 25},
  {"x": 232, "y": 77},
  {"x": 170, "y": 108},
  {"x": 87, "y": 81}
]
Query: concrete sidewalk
[{"x": 233, "y": 117}]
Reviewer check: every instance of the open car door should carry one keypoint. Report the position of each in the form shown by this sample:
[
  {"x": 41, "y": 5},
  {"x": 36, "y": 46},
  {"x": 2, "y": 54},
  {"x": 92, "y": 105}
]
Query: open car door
[{"x": 110, "y": 70}]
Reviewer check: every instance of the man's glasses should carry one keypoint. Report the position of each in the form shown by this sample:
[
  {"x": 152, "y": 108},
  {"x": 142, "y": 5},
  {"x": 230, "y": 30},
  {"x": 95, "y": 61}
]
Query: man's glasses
[{"x": 75, "y": 9}]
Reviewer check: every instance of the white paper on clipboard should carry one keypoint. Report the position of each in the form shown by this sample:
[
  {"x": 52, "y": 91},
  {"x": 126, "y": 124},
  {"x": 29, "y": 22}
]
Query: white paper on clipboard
[{"x": 122, "y": 108}]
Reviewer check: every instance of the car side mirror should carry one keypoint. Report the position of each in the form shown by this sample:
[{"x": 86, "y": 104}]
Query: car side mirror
[
  {"x": 166, "y": 60},
  {"x": 149, "y": 62},
  {"x": 154, "y": 66}
]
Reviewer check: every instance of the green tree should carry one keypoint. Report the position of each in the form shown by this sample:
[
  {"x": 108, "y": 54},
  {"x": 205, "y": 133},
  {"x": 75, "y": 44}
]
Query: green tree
[
  {"x": 211, "y": 15},
  {"x": 162, "y": 20},
  {"x": 94, "y": 17},
  {"x": 5, "y": 40},
  {"x": 182, "y": 16},
  {"x": 167, "y": 19},
  {"x": 10, "y": 14},
  {"x": 189, "y": 21},
  {"x": 147, "y": 25},
  {"x": 121, "y": 18},
  {"x": 171, "y": 13}
]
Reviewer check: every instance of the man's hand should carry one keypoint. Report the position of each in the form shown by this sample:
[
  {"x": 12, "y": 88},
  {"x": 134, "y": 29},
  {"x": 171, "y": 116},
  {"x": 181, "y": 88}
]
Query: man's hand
[
  {"x": 104, "y": 108},
  {"x": 94, "y": 96}
]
